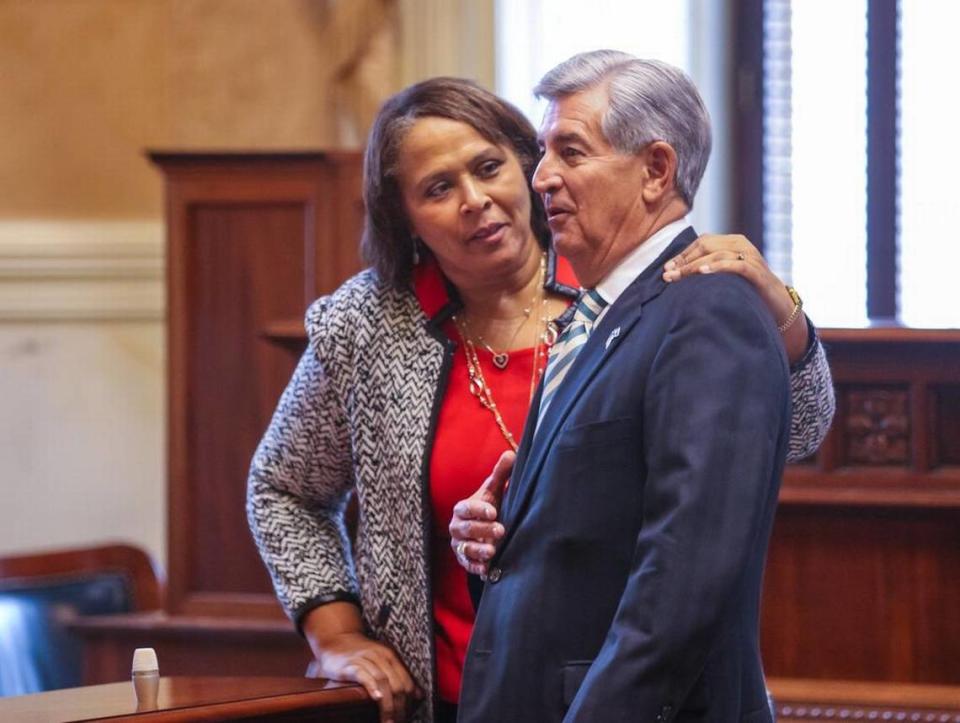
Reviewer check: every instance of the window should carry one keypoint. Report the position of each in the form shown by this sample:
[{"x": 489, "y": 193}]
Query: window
[
  {"x": 858, "y": 162},
  {"x": 929, "y": 163}
]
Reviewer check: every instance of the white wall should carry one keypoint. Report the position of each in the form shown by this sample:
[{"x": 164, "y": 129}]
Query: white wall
[{"x": 81, "y": 385}]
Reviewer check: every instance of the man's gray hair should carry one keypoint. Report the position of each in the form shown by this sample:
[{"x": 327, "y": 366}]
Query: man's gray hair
[{"x": 648, "y": 101}]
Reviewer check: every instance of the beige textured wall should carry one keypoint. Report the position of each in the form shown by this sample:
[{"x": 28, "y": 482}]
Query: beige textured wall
[
  {"x": 88, "y": 84},
  {"x": 85, "y": 87}
]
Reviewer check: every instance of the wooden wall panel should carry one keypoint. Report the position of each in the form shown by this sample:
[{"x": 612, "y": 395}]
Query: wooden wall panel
[
  {"x": 252, "y": 239},
  {"x": 246, "y": 269},
  {"x": 863, "y": 594},
  {"x": 863, "y": 575},
  {"x": 946, "y": 445}
]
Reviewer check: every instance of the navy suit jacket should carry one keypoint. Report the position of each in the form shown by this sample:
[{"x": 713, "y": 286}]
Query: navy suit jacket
[{"x": 627, "y": 586}]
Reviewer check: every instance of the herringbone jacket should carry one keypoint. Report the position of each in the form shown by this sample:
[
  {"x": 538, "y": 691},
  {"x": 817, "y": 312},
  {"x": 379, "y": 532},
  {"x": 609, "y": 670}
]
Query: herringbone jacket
[{"x": 358, "y": 415}]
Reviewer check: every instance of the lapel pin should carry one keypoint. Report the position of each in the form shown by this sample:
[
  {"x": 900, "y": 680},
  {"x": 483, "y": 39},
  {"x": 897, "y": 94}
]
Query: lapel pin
[{"x": 613, "y": 335}]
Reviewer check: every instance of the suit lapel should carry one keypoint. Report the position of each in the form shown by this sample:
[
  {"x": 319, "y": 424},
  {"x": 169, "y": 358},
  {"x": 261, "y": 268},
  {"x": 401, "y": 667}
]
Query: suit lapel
[
  {"x": 523, "y": 452},
  {"x": 602, "y": 344}
]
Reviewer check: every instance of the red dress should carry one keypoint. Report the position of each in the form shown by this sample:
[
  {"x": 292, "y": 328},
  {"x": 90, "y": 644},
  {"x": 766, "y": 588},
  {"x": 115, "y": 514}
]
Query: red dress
[{"x": 468, "y": 443}]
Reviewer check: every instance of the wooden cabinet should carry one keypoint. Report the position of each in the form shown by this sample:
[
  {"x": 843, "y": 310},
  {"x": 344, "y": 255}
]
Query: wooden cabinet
[{"x": 252, "y": 240}]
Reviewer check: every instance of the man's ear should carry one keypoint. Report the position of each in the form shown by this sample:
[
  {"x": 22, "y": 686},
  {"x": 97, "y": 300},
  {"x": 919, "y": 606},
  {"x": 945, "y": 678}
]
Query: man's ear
[{"x": 661, "y": 171}]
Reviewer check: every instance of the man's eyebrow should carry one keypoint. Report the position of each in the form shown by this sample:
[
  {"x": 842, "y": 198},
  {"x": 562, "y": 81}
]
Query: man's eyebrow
[{"x": 566, "y": 137}]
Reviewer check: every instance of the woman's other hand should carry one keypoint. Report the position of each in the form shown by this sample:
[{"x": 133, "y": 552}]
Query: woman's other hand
[
  {"x": 735, "y": 254},
  {"x": 344, "y": 653},
  {"x": 474, "y": 529}
]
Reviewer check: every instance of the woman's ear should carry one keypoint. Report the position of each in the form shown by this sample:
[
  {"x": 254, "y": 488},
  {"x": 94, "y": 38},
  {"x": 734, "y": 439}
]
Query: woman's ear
[
  {"x": 416, "y": 243},
  {"x": 661, "y": 171}
]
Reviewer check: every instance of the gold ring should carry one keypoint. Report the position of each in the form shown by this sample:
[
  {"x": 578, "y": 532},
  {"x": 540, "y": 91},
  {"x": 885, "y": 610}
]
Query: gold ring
[
  {"x": 461, "y": 549},
  {"x": 740, "y": 256}
]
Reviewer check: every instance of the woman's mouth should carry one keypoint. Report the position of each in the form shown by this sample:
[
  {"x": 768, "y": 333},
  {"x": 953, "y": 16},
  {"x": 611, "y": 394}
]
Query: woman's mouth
[{"x": 488, "y": 232}]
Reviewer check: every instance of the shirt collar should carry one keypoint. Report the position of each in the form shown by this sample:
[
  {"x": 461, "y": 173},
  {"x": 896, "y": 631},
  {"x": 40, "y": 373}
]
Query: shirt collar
[{"x": 637, "y": 261}]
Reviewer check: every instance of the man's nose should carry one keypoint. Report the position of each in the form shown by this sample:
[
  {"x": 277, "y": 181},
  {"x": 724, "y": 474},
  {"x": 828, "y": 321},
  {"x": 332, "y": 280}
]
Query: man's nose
[
  {"x": 545, "y": 179},
  {"x": 475, "y": 197}
]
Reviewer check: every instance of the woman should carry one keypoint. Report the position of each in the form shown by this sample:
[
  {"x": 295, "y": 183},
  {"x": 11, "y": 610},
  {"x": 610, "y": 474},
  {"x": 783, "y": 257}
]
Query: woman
[{"x": 418, "y": 375}]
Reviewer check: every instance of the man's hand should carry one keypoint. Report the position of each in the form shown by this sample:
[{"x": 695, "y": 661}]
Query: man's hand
[
  {"x": 474, "y": 530},
  {"x": 348, "y": 655}
]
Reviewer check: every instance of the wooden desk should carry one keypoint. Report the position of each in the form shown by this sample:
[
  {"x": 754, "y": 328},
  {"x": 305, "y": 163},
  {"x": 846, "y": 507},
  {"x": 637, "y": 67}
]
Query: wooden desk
[{"x": 200, "y": 699}]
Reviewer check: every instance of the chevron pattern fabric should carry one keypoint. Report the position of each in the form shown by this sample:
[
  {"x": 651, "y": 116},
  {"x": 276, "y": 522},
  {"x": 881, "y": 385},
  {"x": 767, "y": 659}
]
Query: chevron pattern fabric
[
  {"x": 568, "y": 345},
  {"x": 355, "y": 417}
]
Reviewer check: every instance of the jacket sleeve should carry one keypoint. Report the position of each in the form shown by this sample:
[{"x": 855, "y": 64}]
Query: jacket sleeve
[
  {"x": 297, "y": 489},
  {"x": 811, "y": 391},
  {"x": 715, "y": 421}
]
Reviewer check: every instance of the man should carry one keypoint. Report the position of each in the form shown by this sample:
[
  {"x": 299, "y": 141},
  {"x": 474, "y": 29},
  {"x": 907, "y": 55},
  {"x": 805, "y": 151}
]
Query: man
[{"x": 625, "y": 582}]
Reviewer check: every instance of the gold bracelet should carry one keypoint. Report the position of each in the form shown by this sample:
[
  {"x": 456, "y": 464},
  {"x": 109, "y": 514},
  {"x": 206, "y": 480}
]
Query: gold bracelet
[{"x": 794, "y": 315}]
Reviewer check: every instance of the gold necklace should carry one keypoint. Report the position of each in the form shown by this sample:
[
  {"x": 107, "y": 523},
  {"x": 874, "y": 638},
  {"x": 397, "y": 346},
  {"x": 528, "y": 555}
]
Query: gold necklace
[
  {"x": 502, "y": 358},
  {"x": 478, "y": 384}
]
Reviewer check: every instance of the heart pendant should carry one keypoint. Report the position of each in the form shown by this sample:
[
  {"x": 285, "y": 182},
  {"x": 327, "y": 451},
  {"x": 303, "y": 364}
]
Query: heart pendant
[{"x": 500, "y": 360}]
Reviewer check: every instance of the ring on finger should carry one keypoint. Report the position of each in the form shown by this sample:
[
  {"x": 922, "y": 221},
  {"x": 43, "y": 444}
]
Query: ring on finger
[
  {"x": 740, "y": 256},
  {"x": 462, "y": 549}
]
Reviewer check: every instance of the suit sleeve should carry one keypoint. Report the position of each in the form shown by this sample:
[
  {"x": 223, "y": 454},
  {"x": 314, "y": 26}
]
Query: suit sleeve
[{"x": 715, "y": 419}]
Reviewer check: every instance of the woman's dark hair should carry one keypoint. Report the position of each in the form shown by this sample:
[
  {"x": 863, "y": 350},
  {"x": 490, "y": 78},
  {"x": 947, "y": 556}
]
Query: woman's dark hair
[{"x": 387, "y": 243}]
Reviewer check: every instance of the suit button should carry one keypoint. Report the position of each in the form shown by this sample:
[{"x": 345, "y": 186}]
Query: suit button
[{"x": 493, "y": 577}]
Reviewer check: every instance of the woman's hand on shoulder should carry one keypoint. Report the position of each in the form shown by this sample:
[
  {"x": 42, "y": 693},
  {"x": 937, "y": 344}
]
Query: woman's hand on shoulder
[
  {"x": 345, "y": 653},
  {"x": 734, "y": 254}
]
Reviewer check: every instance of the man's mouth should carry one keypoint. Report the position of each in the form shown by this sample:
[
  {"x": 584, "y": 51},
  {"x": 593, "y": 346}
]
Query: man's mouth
[{"x": 554, "y": 211}]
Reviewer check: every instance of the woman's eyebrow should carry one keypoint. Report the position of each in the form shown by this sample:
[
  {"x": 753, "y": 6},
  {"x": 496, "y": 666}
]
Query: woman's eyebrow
[{"x": 442, "y": 173}]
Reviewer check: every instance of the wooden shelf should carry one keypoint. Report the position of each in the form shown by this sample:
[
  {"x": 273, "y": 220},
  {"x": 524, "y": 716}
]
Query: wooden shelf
[
  {"x": 890, "y": 334},
  {"x": 284, "y": 331}
]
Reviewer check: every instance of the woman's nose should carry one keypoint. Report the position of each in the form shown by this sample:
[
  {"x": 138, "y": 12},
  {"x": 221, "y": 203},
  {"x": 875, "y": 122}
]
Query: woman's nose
[{"x": 475, "y": 197}]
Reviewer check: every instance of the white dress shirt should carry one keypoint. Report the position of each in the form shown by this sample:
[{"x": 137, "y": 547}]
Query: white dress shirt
[{"x": 636, "y": 262}]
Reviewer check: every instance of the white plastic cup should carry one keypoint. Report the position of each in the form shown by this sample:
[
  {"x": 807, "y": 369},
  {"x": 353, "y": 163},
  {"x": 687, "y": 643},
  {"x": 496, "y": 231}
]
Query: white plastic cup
[{"x": 146, "y": 678}]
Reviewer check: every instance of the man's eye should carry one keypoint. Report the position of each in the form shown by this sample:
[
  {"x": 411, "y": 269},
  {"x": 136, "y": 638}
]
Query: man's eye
[{"x": 570, "y": 152}]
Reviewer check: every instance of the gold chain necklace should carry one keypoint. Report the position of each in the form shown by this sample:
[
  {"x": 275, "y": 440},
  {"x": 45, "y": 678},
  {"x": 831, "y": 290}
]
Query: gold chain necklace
[
  {"x": 502, "y": 358},
  {"x": 478, "y": 384}
]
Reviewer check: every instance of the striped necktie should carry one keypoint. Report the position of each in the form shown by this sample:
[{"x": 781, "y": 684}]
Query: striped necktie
[{"x": 568, "y": 345}]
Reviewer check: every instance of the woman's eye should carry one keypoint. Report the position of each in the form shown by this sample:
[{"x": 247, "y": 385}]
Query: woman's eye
[
  {"x": 437, "y": 190},
  {"x": 489, "y": 168}
]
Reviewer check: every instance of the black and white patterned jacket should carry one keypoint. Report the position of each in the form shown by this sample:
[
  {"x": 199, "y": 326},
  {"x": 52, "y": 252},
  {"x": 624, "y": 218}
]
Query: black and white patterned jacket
[{"x": 359, "y": 414}]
